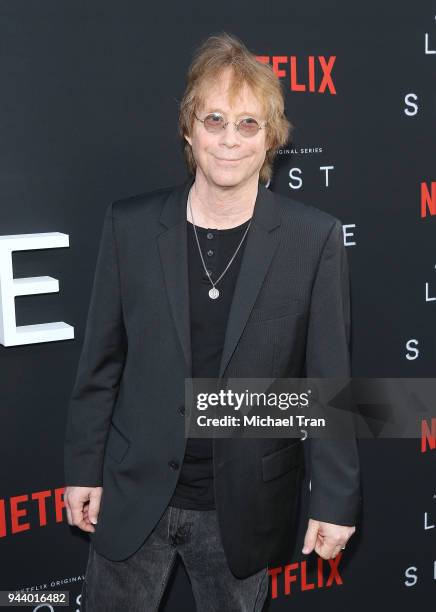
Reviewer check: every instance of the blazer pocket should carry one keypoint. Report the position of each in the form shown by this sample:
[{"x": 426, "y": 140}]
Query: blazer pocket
[
  {"x": 277, "y": 310},
  {"x": 281, "y": 461},
  {"x": 117, "y": 444}
]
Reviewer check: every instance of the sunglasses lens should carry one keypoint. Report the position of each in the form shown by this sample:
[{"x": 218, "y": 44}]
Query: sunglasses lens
[
  {"x": 248, "y": 127},
  {"x": 214, "y": 123}
]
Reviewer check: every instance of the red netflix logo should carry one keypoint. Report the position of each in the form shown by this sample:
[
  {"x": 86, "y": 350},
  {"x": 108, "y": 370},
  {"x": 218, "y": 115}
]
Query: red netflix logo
[
  {"x": 289, "y": 575},
  {"x": 16, "y": 512},
  {"x": 428, "y": 437},
  {"x": 302, "y": 75},
  {"x": 428, "y": 200}
]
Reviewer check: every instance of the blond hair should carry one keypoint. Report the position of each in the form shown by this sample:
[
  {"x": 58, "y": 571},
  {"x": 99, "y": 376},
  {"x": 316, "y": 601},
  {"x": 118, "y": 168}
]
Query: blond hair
[{"x": 214, "y": 55}]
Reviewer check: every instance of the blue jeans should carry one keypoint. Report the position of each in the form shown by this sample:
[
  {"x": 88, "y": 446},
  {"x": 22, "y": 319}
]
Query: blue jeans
[{"x": 137, "y": 584}]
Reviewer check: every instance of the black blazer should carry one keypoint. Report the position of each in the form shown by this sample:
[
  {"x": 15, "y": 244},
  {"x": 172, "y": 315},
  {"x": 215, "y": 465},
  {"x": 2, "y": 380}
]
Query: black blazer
[{"x": 290, "y": 317}]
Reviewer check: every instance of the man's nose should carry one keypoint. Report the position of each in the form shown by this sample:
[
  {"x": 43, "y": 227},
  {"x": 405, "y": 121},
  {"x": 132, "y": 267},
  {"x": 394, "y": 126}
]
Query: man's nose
[{"x": 230, "y": 135}]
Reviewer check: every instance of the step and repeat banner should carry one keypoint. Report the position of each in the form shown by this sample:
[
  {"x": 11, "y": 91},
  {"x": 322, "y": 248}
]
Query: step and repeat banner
[{"x": 89, "y": 111}]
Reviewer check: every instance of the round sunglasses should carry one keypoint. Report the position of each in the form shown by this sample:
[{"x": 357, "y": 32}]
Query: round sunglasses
[{"x": 215, "y": 122}]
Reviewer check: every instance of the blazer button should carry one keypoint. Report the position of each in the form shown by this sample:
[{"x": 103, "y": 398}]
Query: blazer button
[
  {"x": 173, "y": 465},
  {"x": 182, "y": 410}
]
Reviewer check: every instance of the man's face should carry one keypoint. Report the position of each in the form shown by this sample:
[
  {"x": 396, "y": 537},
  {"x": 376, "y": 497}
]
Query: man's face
[{"x": 212, "y": 152}]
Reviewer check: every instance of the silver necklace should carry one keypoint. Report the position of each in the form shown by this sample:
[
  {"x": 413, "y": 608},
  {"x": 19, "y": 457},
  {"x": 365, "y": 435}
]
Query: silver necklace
[{"x": 214, "y": 292}]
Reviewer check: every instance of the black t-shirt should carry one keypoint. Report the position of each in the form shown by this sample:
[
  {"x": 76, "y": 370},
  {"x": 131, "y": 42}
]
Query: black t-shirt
[{"x": 194, "y": 489}]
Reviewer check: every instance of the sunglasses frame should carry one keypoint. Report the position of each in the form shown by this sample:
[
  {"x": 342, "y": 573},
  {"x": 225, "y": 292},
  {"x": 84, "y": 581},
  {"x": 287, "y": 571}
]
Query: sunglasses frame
[{"x": 226, "y": 123}]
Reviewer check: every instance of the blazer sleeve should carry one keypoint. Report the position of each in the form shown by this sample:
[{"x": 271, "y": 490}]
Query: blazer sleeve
[
  {"x": 335, "y": 495},
  {"x": 99, "y": 370}
]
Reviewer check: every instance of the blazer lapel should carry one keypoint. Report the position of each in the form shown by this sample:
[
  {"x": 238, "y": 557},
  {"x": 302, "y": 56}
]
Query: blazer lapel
[
  {"x": 261, "y": 243},
  {"x": 173, "y": 248}
]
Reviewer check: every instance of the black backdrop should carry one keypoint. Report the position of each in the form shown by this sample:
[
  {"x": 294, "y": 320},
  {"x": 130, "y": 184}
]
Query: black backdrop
[{"x": 89, "y": 114}]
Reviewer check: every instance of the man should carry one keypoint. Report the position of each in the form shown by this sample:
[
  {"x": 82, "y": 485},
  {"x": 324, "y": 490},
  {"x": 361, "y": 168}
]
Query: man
[{"x": 217, "y": 277}]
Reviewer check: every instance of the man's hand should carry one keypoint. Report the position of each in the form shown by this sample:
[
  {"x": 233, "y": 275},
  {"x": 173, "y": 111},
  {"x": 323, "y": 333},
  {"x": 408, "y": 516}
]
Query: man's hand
[
  {"x": 83, "y": 505},
  {"x": 326, "y": 538}
]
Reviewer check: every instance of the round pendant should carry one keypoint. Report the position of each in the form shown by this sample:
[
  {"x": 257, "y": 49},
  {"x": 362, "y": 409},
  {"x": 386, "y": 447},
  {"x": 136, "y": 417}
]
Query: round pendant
[{"x": 213, "y": 293}]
